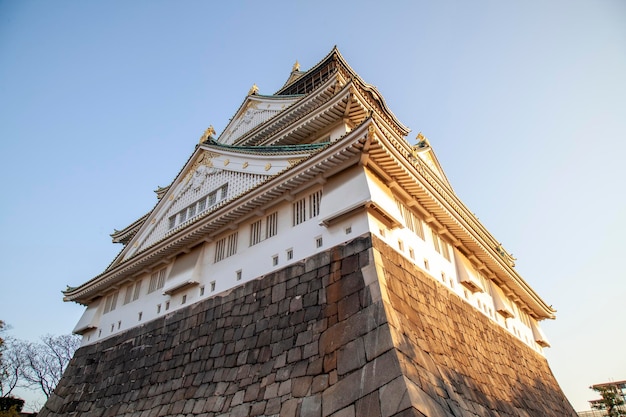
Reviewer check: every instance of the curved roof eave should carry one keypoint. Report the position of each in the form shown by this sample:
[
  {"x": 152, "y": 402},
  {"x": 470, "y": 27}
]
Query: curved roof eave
[
  {"x": 336, "y": 55},
  {"x": 434, "y": 189},
  {"x": 317, "y": 162}
]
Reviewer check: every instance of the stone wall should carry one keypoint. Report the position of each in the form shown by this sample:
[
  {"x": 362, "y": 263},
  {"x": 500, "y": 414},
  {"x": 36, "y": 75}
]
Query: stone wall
[{"x": 353, "y": 331}]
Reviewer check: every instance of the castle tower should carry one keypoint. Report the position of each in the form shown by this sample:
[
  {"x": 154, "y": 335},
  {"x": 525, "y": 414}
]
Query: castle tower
[{"x": 310, "y": 262}]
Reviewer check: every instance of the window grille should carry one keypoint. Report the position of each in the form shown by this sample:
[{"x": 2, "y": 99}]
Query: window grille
[
  {"x": 110, "y": 302},
  {"x": 157, "y": 280},
  {"x": 220, "y": 247},
  {"x": 129, "y": 294},
  {"x": 271, "y": 225},
  {"x": 315, "y": 200},
  {"x": 445, "y": 251},
  {"x": 436, "y": 241},
  {"x": 232, "y": 244},
  {"x": 411, "y": 220},
  {"x": 299, "y": 211},
  {"x": 225, "y": 247},
  {"x": 255, "y": 232},
  {"x": 137, "y": 290},
  {"x": 199, "y": 206}
]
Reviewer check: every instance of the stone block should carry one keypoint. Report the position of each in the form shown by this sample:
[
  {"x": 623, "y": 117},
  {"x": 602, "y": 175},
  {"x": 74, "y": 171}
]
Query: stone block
[
  {"x": 311, "y": 406},
  {"x": 378, "y": 341},
  {"x": 373, "y": 375},
  {"x": 289, "y": 408},
  {"x": 300, "y": 386},
  {"x": 368, "y": 406},
  {"x": 348, "y": 284},
  {"x": 351, "y": 357}
]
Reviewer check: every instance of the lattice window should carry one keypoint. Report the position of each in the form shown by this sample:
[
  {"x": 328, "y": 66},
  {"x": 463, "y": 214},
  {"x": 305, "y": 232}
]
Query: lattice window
[
  {"x": 111, "y": 302},
  {"x": 307, "y": 207},
  {"x": 128, "y": 295},
  {"x": 157, "y": 280},
  {"x": 199, "y": 206},
  {"x": 315, "y": 200},
  {"x": 132, "y": 292},
  {"x": 445, "y": 250},
  {"x": 255, "y": 232},
  {"x": 220, "y": 249},
  {"x": 226, "y": 246},
  {"x": 137, "y": 290},
  {"x": 436, "y": 241},
  {"x": 411, "y": 220},
  {"x": 232, "y": 244},
  {"x": 271, "y": 225},
  {"x": 299, "y": 211}
]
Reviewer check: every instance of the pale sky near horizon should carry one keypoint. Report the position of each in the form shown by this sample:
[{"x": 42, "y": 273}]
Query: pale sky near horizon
[{"x": 524, "y": 103}]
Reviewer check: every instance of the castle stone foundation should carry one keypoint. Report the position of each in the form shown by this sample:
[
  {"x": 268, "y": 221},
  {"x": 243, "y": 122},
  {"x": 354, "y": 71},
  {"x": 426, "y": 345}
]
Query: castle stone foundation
[{"x": 356, "y": 330}]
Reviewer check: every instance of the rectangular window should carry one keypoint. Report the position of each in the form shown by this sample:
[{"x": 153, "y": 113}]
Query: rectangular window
[
  {"x": 129, "y": 294},
  {"x": 436, "y": 241},
  {"x": 255, "y": 233},
  {"x": 289, "y": 254},
  {"x": 299, "y": 211},
  {"x": 318, "y": 242},
  {"x": 198, "y": 206},
  {"x": 224, "y": 192},
  {"x": 226, "y": 246},
  {"x": 137, "y": 290},
  {"x": 238, "y": 275},
  {"x": 275, "y": 260},
  {"x": 220, "y": 249},
  {"x": 271, "y": 225},
  {"x": 212, "y": 198},
  {"x": 212, "y": 284},
  {"x": 445, "y": 251},
  {"x": 411, "y": 220},
  {"x": 201, "y": 205},
  {"x": 232, "y": 244},
  {"x": 315, "y": 201},
  {"x": 157, "y": 280},
  {"x": 111, "y": 302}
]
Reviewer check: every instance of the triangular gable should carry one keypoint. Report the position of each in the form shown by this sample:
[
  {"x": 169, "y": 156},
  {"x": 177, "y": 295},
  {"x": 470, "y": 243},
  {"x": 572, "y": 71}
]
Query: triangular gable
[
  {"x": 255, "y": 110},
  {"x": 215, "y": 175},
  {"x": 425, "y": 152}
]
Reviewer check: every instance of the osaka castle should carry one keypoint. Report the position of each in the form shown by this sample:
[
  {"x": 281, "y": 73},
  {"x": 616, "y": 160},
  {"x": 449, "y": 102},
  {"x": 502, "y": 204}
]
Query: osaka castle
[{"x": 309, "y": 261}]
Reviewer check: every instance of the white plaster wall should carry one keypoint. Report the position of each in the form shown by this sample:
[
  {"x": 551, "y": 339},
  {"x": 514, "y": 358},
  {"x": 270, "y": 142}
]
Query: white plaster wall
[{"x": 353, "y": 186}]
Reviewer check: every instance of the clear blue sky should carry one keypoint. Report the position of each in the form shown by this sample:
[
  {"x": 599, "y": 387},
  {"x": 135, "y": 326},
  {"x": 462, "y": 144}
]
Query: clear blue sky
[{"x": 523, "y": 101}]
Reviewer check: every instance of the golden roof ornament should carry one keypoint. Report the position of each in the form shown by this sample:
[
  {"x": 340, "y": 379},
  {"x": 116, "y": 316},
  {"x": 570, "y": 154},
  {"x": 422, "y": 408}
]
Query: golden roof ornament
[
  {"x": 207, "y": 134},
  {"x": 296, "y": 66},
  {"x": 422, "y": 141},
  {"x": 253, "y": 90}
]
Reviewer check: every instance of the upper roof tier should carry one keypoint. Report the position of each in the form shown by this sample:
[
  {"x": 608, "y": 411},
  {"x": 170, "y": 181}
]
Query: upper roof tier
[{"x": 262, "y": 115}]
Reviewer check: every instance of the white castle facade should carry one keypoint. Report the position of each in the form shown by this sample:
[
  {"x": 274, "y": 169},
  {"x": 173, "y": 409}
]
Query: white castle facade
[{"x": 318, "y": 163}]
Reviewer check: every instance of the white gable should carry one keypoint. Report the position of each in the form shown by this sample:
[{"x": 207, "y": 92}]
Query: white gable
[
  {"x": 201, "y": 190},
  {"x": 255, "y": 111}
]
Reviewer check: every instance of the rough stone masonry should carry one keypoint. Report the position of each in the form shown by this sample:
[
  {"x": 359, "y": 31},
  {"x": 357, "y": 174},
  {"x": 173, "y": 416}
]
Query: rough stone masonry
[{"x": 357, "y": 330}]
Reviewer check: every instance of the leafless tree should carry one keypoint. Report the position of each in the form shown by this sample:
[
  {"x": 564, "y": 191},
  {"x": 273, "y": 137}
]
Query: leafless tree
[
  {"x": 10, "y": 368},
  {"x": 43, "y": 363}
]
